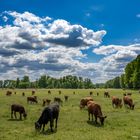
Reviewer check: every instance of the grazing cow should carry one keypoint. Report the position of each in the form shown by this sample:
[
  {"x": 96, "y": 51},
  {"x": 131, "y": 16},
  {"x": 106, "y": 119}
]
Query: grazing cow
[
  {"x": 46, "y": 101},
  {"x": 95, "y": 109},
  {"x": 66, "y": 98},
  {"x": 106, "y": 95},
  {"x": 129, "y": 94},
  {"x": 59, "y": 92},
  {"x": 33, "y": 92},
  {"x": 8, "y": 93},
  {"x": 57, "y": 99},
  {"x": 23, "y": 94},
  {"x": 128, "y": 101},
  {"x": 90, "y": 93},
  {"x": 97, "y": 94},
  {"x": 84, "y": 101},
  {"x": 50, "y": 113},
  {"x": 32, "y": 99},
  {"x": 49, "y": 92},
  {"x": 116, "y": 102},
  {"x": 18, "y": 108}
]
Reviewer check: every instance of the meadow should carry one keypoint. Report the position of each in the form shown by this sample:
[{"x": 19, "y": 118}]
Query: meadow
[{"x": 73, "y": 124}]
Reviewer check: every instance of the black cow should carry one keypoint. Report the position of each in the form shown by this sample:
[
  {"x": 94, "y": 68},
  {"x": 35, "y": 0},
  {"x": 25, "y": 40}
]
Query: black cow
[{"x": 50, "y": 113}]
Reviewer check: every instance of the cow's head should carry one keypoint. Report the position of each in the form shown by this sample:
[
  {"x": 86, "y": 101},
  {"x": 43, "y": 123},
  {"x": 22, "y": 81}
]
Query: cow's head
[
  {"x": 102, "y": 119},
  {"x": 25, "y": 115},
  {"x": 133, "y": 105},
  {"x": 37, "y": 126}
]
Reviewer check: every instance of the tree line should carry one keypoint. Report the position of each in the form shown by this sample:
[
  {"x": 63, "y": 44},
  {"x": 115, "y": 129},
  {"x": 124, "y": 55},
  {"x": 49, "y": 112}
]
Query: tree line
[
  {"x": 45, "y": 81},
  {"x": 130, "y": 79}
]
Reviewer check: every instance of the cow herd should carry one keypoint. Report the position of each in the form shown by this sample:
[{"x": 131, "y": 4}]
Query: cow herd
[{"x": 51, "y": 111}]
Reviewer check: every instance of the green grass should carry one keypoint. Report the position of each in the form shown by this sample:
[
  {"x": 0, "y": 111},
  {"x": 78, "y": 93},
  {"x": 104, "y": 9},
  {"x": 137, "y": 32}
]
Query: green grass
[{"x": 121, "y": 124}]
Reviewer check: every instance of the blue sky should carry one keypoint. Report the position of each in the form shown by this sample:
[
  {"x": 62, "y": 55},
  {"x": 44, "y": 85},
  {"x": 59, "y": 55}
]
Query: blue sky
[{"x": 117, "y": 21}]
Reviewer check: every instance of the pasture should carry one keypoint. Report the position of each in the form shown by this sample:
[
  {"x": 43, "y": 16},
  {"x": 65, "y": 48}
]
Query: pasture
[{"x": 73, "y": 124}]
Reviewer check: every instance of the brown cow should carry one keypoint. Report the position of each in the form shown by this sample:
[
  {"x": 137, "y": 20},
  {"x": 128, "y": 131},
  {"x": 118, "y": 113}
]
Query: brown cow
[
  {"x": 33, "y": 92},
  {"x": 116, "y": 102},
  {"x": 23, "y": 94},
  {"x": 46, "y": 101},
  {"x": 128, "y": 101},
  {"x": 94, "y": 108},
  {"x": 57, "y": 99},
  {"x": 32, "y": 99},
  {"x": 49, "y": 92},
  {"x": 18, "y": 108},
  {"x": 84, "y": 101},
  {"x": 66, "y": 98},
  {"x": 106, "y": 95},
  {"x": 90, "y": 93},
  {"x": 8, "y": 93}
]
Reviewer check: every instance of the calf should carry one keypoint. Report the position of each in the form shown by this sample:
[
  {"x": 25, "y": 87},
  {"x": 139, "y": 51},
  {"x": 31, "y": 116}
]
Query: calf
[
  {"x": 95, "y": 109},
  {"x": 128, "y": 101},
  {"x": 84, "y": 101},
  {"x": 32, "y": 100},
  {"x": 116, "y": 102},
  {"x": 106, "y": 95},
  {"x": 66, "y": 98},
  {"x": 50, "y": 113},
  {"x": 18, "y": 108}
]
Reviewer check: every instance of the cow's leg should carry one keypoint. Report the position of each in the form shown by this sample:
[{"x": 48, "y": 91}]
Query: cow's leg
[
  {"x": 56, "y": 122},
  {"x": 92, "y": 117},
  {"x": 88, "y": 116},
  {"x": 96, "y": 119},
  {"x": 20, "y": 116},
  {"x": 15, "y": 114},
  {"x": 43, "y": 126},
  {"x": 11, "y": 113},
  {"x": 51, "y": 125}
]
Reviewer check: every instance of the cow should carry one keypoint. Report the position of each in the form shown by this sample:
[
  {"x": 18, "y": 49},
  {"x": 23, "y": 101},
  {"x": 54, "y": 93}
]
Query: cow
[
  {"x": 46, "y": 101},
  {"x": 59, "y": 92},
  {"x": 50, "y": 113},
  {"x": 23, "y": 94},
  {"x": 128, "y": 101},
  {"x": 49, "y": 92},
  {"x": 18, "y": 108},
  {"x": 129, "y": 94},
  {"x": 57, "y": 99},
  {"x": 8, "y": 93},
  {"x": 90, "y": 93},
  {"x": 106, "y": 95},
  {"x": 33, "y": 92},
  {"x": 32, "y": 99},
  {"x": 84, "y": 101},
  {"x": 116, "y": 102},
  {"x": 66, "y": 98},
  {"x": 95, "y": 109}
]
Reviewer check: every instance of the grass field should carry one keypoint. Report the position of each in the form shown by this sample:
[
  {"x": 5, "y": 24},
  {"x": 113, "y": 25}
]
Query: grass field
[{"x": 73, "y": 124}]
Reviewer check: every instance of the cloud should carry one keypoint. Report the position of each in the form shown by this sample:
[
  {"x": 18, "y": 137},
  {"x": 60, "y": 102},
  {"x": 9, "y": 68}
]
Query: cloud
[{"x": 33, "y": 45}]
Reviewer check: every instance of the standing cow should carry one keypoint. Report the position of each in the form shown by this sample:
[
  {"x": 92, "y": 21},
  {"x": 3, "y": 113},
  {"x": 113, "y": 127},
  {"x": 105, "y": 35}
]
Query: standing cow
[
  {"x": 128, "y": 101},
  {"x": 18, "y": 108}
]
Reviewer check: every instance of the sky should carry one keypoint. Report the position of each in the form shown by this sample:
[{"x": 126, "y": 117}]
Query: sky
[{"x": 93, "y": 39}]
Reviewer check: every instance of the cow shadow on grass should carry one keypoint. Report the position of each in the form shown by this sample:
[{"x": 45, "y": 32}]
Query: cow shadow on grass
[
  {"x": 49, "y": 132},
  {"x": 94, "y": 124}
]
